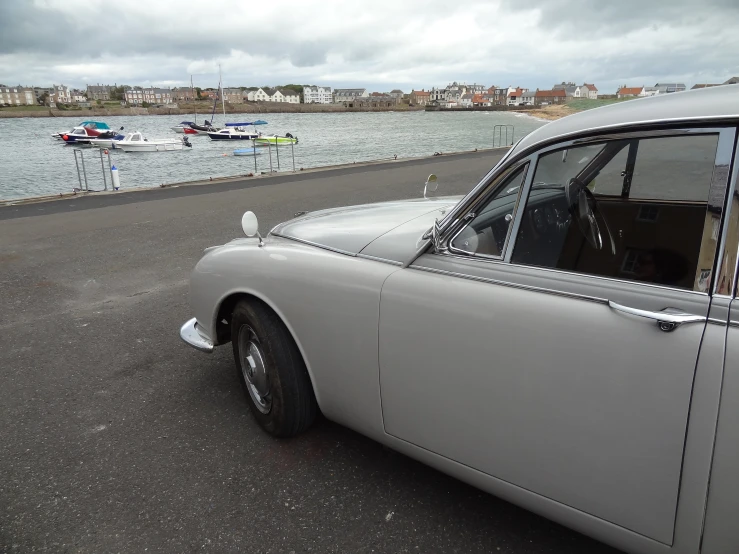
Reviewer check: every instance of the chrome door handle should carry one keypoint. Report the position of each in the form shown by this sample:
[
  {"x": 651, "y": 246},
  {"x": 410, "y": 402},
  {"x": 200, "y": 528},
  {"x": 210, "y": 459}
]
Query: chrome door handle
[{"x": 667, "y": 320}]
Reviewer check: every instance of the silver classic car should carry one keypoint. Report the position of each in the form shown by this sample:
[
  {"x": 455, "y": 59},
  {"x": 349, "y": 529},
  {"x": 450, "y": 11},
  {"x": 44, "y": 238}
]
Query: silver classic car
[{"x": 566, "y": 336}]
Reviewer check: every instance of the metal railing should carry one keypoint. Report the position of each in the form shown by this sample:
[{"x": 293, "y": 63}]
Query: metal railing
[
  {"x": 79, "y": 160},
  {"x": 498, "y": 133},
  {"x": 277, "y": 155}
]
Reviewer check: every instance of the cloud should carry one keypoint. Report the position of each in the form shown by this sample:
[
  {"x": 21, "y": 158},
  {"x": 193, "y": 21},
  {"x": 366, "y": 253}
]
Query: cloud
[{"x": 384, "y": 45}]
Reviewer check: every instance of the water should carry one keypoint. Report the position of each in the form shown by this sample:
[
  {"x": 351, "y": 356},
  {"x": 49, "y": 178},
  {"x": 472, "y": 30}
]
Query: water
[{"x": 34, "y": 164}]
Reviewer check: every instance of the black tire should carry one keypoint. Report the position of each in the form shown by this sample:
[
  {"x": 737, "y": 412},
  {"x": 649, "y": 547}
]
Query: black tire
[{"x": 289, "y": 406}]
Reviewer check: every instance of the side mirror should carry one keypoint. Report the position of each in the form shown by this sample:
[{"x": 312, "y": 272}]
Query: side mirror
[
  {"x": 432, "y": 183},
  {"x": 250, "y": 226}
]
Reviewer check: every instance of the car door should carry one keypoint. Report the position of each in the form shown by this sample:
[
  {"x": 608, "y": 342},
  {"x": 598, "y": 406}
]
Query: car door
[{"x": 551, "y": 341}]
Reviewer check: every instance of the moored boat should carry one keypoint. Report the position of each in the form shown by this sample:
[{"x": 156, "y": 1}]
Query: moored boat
[
  {"x": 238, "y": 131},
  {"x": 137, "y": 142},
  {"x": 182, "y": 127},
  {"x": 95, "y": 125},
  {"x": 80, "y": 135},
  {"x": 108, "y": 139},
  {"x": 275, "y": 139}
]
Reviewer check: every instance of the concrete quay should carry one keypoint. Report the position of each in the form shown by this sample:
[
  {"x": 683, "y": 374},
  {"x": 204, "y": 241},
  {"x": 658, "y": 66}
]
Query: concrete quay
[{"x": 117, "y": 437}]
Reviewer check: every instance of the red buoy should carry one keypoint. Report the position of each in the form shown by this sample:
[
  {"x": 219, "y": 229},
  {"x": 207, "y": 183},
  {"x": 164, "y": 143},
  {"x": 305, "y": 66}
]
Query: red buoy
[{"x": 65, "y": 137}]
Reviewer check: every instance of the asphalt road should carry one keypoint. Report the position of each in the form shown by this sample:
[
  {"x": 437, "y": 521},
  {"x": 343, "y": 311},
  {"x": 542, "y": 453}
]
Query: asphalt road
[{"x": 117, "y": 437}]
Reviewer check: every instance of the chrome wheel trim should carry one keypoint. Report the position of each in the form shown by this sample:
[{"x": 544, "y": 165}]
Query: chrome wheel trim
[{"x": 254, "y": 369}]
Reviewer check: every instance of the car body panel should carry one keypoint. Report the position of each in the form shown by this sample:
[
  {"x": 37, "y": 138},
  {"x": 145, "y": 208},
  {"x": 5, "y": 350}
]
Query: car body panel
[
  {"x": 334, "y": 325},
  {"x": 722, "y": 532},
  {"x": 488, "y": 397}
]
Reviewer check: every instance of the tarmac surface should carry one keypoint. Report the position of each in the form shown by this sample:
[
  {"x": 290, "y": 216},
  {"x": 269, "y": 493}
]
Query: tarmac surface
[{"x": 117, "y": 437}]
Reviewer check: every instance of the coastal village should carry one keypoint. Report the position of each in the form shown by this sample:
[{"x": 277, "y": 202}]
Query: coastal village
[{"x": 454, "y": 96}]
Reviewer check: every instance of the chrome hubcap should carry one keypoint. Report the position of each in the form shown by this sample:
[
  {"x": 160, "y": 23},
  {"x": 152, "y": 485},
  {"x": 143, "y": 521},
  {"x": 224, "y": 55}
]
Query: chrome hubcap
[{"x": 253, "y": 369}]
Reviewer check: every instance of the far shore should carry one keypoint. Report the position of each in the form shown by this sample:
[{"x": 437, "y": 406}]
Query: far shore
[{"x": 203, "y": 109}]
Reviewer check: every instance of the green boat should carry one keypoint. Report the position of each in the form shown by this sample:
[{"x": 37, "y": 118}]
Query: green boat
[{"x": 264, "y": 140}]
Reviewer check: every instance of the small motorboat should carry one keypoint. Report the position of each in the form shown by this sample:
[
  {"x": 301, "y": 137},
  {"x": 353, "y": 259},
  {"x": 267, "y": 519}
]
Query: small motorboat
[
  {"x": 265, "y": 140},
  {"x": 137, "y": 142},
  {"x": 237, "y": 131},
  {"x": 80, "y": 135},
  {"x": 108, "y": 139},
  {"x": 96, "y": 125},
  {"x": 183, "y": 127}
]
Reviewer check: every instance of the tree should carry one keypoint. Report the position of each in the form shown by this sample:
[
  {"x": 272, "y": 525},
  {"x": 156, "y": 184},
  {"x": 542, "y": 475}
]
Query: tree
[
  {"x": 197, "y": 93},
  {"x": 43, "y": 98}
]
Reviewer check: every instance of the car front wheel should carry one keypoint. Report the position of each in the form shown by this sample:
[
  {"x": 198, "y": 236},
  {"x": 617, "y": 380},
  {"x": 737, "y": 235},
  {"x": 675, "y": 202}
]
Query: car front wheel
[{"x": 271, "y": 370}]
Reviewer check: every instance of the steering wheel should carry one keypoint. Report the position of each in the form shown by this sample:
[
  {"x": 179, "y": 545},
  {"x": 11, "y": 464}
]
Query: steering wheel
[{"x": 584, "y": 210}]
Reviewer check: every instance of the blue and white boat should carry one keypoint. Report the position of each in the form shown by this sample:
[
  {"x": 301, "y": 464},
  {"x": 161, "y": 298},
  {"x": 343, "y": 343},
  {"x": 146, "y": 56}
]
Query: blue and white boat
[{"x": 238, "y": 131}]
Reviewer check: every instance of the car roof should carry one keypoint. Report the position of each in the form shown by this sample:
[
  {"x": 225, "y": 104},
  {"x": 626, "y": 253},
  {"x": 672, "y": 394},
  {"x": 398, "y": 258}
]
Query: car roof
[{"x": 701, "y": 104}]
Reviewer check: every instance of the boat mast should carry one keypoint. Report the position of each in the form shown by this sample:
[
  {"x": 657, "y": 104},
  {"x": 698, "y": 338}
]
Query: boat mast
[
  {"x": 223, "y": 101},
  {"x": 192, "y": 96}
]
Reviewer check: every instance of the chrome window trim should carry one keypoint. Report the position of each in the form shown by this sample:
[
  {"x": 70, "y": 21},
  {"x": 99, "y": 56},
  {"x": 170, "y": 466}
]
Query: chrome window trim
[
  {"x": 511, "y": 285},
  {"x": 724, "y": 134},
  {"x": 493, "y": 187},
  {"x": 690, "y": 122},
  {"x": 733, "y": 323},
  {"x": 726, "y": 222}
]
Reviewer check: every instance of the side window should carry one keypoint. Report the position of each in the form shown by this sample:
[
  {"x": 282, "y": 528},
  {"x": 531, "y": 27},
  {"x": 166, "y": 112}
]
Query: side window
[
  {"x": 633, "y": 209},
  {"x": 486, "y": 234}
]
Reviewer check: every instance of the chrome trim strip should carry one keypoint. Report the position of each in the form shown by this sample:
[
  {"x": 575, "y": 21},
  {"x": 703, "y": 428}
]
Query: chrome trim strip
[
  {"x": 191, "y": 334},
  {"x": 716, "y": 321},
  {"x": 733, "y": 323},
  {"x": 378, "y": 259},
  {"x": 726, "y": 141},
  {"x": 512, "y": 285},
  {"x": 322, "y": 246}
]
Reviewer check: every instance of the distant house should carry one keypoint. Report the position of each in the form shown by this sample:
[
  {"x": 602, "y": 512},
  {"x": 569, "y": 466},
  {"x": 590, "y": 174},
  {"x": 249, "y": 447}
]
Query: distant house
[
  {"x": 697, "y": 86},
  {"x": 317, "y": 95},
  {"x": 77, "y": 96},
  {"x": 257, "y": 95},
  {"x": 465, "y": 100},
  {"x": 630, "y": 92},
  {"x": 732, "y": 81},
  {"x": 513, "y": 97},
  {"x": 573, "y": 91},
  {"x": 420, "y": 97},
  {"x": 480, "y": 100},
  {"x": 211, "y": 94},
  {"x": 528, "y": 97},
  {"x": 475, "y": 88},
  {"x": 543, "y": 97},
  {"x": 448, "y": 103},
  {"x": 375, "y": 100},
  {"x": 349, "y": 94},
  {"x": 183, "y": 94},
  {"x": 98, "y": 92},
  {"x": 233, "y": 95},
  {"x": 289, "y": 95},
  {"x": 592, "y": 91},
  {"x": 60, "y": 95},
  {"x": 17, "y": 96},
  {"x": 396, "y": 93},
  {"x": 134, "y": 95},
  {"x": 665, "y": 88},
  {"x": 491, "y": 90},
  {"x": 651, "y": 91},
  {"x": 156, "y": 95}
]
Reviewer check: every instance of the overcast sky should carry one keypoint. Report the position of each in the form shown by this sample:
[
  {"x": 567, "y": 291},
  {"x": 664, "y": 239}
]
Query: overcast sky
[{"x": 379, "y": 44}]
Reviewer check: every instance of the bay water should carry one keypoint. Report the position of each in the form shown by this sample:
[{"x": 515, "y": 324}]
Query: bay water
[{"x": 34, "y": 164}]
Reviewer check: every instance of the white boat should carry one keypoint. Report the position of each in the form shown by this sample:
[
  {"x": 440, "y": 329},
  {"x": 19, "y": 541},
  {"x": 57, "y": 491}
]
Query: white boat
[{"x": 137, "y": 142}]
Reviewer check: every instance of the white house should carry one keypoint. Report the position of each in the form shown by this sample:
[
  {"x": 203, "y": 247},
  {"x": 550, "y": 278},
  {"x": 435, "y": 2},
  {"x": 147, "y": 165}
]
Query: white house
[
  {"x": 630, "y": 92},
  {"x": 317, "y": 95},
  {"x": 592, "y": 91},
  {"x": 465, "y": 100},
  {"x": 448, "y": 103},
  {"x": 283, "y": 95},
  {"x": 77, "y": 96},
  {"x": 257, "y": 95},
  {"x": 651, "y": 91},
  {"x": 349, "y": 94}
]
